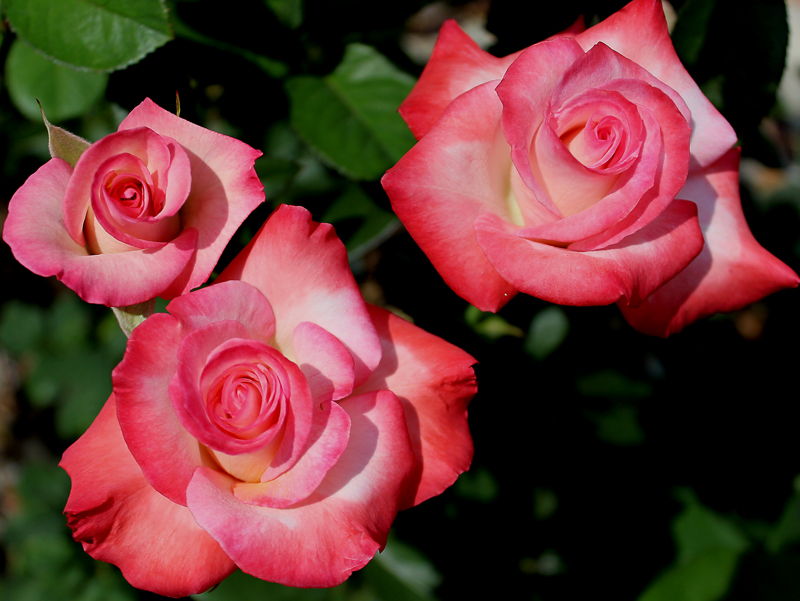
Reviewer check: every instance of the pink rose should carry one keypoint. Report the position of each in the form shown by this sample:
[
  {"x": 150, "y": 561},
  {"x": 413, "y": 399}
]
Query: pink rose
[
  {"x": 273, "y": 422},
  {"x": 587, "y": 169},
  {"x": 146, "y": 212}
]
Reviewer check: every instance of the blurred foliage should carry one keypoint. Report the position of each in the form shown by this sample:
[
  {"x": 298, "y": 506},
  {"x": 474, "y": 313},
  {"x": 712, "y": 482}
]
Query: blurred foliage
[
  {"x": 586, "y": 432},
  {"x": 398, "y": 573},
  {"x": 61, "y": 366},
  {"x": 349, "y": 117}
]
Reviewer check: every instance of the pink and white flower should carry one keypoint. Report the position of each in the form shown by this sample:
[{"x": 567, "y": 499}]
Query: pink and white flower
[
  {"x": 146, "y": 211},
  {"x": 587, "y": 169},
  {"x": 273, "y": 422}
]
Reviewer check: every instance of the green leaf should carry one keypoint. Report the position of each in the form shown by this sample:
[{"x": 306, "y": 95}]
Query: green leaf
[
  {"x": 489, "y": 325},
  {"x": 21, "y": 326},
  {"x": 372, "y": 223},
  {"x": 610, "y": 384},
  {"x": 131, "y": 316},
  {"x": 401, "y": 573},
  {"x": 689, "y": 33},
  {"x": 289, "y": 12},
  {"x": 707, "y": 578},
  {"x": 350, "y": 117},
  {"x": 102, "y": 35},
  {"x": 62, "y": 91},
  {"x": 548, "y": 330},
  {"x": 478, "y": 485},
  {"x": 787, "y": 530},
  {"x": 275, "y": 174},
  {"x": 698, "y": 529},
  {"x": 618, "y": 426},
  {"x": 243, "y": 587},
  {"x": 63, "y": 144},
  {"x": 709, "y": 548}
]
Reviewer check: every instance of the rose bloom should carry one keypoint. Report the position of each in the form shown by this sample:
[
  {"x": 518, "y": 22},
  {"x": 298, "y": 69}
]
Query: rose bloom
[
  {"x": 273, "y": 422},
  {"x": 146, "y": 212},
  {"x": 587, "y": 169}
]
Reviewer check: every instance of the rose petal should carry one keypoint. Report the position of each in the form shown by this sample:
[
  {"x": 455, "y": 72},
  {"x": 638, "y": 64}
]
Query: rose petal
[
  {"x": 196, "y": 352},
  {"x": 329, "y": 437},
  {"x": 337, "y": 529},
  {"x": 632, "y": 269},
  {"x": 525, "y": 93},
  {"x": 301, "y": 267},
  {"x": 119, "y": 518},
  {"x": 224, "y": 189},
  {"x": 141, "y": 142},
  {"x": 458, "y": 171},
  {"x": 646, "y": 189},
  {"x": 663, "y": 161},
  {"x": 456, "y": 65},
  {"x": 146, "y": 231},
  {"x": 435, "y": 382},
  {"x": 233, "y": 300},
  {"x": 732, "y": 271},
  {"x": 639, "y": 32},
  {"x": 166, "y": 452},
  {"x": 36, "y": 232},
  {"x": 325, "y": 361}
]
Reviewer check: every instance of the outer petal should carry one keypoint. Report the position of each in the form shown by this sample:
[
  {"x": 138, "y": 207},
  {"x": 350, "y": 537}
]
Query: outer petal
[
  {"x": 328, "y": 440},
  {"x": 639, "y": 32},
  {"x": 302, "y": 269},
  {"x": 119, "y": 518},
  {"x": 458, "y": 171},
  {"x": 234, "y": 300},
  {"x": 327, "y": 365},
  {"x": 36, "y": 232},
  {"x": 435, "y": 382},
  {"x": 166, "y": 452},
  {"x": 732, "y": 271},
  {"x": 225, "y": 187},
  {"x": 631, "y": 270},
  {"x": 339, "y": 527},
  {"x": 456, "y": 65}
]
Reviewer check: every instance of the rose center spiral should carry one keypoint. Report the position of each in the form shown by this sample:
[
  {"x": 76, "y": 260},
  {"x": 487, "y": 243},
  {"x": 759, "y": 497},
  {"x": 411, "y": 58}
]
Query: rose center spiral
[{"x": 245, "y": 400}]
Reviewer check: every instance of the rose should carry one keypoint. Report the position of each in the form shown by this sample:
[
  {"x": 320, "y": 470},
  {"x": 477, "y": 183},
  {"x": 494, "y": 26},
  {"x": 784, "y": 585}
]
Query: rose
[
  {"x": 272, "y": 421},
  {"x": 146, "y": 211},
  {"x": 575, "y": 171}
]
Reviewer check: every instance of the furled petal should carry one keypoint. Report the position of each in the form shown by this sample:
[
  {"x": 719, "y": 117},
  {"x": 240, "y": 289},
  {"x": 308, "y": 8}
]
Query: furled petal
[
  {"x": 142, "y": 142},
  {"x": 36, "y": 232},
  {"x": 327, "y": 442},
  {"x": 456, "y": 65},
  {"x": 225, "y": 188},
  {"x": 631, "y": 270},
  {"x": 639, "y": 32},
  {"x": 339, "y": 527},
  {"x": 648, "y": 186},
  {"x": 459, "y": 170},
  {"x": 525, "y": 93},
  {"x": 222, "y": 344},
  {"x": 435, "y": 382},
  {"x": 327, "y": 365},
  {"x": 141, "y": 225},
  {"x": 119, "y": 518},
  {"x": 203, "y": 355},
  {"x": 302, "y": 269},
  {"x": 166, "y": 452},
  {"x": 732, "y": 271}
]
